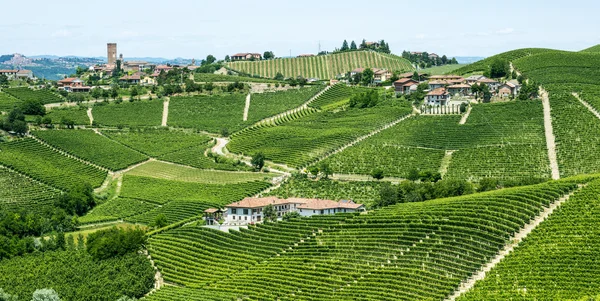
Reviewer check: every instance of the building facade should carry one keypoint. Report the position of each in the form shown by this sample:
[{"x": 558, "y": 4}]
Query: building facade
[{"x": 111, "y": 49}]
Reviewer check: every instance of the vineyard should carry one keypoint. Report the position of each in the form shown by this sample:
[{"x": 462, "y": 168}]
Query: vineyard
[
  {"x": 137, "y": 113},
  {"x": 26, "y": 94},
  {"x": 8, "y": 102},
  {"x": 78, "y": 115},
  {"x": 157, "y": 142},
  {"x": 195, "y": 156},
  {"x": 323, "y": 66},
  {"x": 90, "y": 146},
  {"x": 208, "y": 113},
  {"x": 484, "y": 65},
  {"x": 115, "y": 209},
  {"x": 556, "y": 262},
  {"x": 19, "y": 192},
  {"x": 209, "y": 78},
  {"x": 394, "y": 253},
  {"x": 167, "y": 171},
  {"x": 267, "y": 104},
  {"x": 302, "y": 141},
  {"x": 503, "y": 140},
  {"x": 337, "y": 94},
  {"x": 48, "y": 166}
]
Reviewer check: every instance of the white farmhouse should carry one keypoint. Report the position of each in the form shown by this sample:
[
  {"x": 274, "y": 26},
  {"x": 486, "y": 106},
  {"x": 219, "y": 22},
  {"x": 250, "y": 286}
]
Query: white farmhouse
[{"x": 250, "y": 210}]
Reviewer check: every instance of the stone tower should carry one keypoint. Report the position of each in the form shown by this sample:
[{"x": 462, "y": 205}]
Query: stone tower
[{"x": 112, "y": 53}]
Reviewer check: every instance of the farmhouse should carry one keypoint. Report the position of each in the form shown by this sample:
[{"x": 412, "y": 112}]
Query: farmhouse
[
  {"x": 510, "y": 88},
  {"x": 404, "y": 85},
  {"x": 9, "y": 73},
  {"x": 245, "y": 56},
  {"x": 435, "y": 84},
  {"x": 492, "y": 84},
  {"x": 25, "y": 74},
  {"x": 357, "y": 71},
  {"x": 131, "y": 79},
  {"x": 73, "y": 84},
  {"x": 449, "y": 78},
  {"x": 471, "y": 80},
  {"x": 250, "y": 210},
  {"x": 381, "y": 75},
  {"x": 462, "y": 89},
  {"x": 438, "y": 97}
]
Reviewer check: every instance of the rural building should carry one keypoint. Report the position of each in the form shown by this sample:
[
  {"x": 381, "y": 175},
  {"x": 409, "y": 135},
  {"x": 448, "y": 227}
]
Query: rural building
[
  {"x": 491, "y": 83},
  {"x": 449, "y": 78},
  {"x": 404, "y": 85},
  {"x": 245, "y": 56},
  {"x": 438, "y": 97},
  {"x": 357, "y": 71},
  {"x": 131, "y": 79},
  {"x": 510, "y": 88},
  {"x": 28, "y": 74},
  {"x": 212, "y": 216},
  {"x": 73, "y": 84},
  {"x": 462, "y": 89},
  {"x": 306, "y": 55},
  {"x": 381, "y": 75},
  {"x": 9, "y": 73},
  {"x": 250, "y": 210},
  {"x": 436, "y": 84},
  {"x": 164, "y": 68},
  {"x": 471, "y": 80},
  {"x": 137, "y": 66}
]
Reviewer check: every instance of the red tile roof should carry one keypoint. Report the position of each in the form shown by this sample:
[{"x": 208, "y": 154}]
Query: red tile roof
[
  {"x": 315, "y": 204},
  {"x": 438, "y": 92}
]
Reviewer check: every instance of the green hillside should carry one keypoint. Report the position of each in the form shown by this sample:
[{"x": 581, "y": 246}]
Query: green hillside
[
  {"x": 323, "y": 67},
  {"x": 592, "y": 49},
  {"x": 484, "y": 65}
]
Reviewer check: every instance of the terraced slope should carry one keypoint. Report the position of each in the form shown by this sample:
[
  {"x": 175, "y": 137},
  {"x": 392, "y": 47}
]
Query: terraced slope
[
  {"x": 504, "y": 140},
  {"x": 557, "y": 261},
  {"x": 415, "y": 251},
  {"x": 90, "y": 146},
  {"x": 24, "y": 94},
  {"x": 18, "y": 192},
  {"x": 484, "y": 65},
  {"x": 48, "y": 166},
  {"x": 323, "y": 67}
]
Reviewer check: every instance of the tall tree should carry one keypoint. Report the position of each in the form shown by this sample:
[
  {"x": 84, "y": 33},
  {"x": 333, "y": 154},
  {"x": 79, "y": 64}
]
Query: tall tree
[
  {"x": 344, "y": 46},
  {"x": 363, "y": 44},
  {"x": 227, "y": 58},
  {"x": 258, "y": 161},
  {"x": 367, "y": 76},
  {"x": 352, "y": 46},
  {"x": 269, "y": 213},
  {"x": 210, "y": 59},
  {"x": 268, "y": 55}
]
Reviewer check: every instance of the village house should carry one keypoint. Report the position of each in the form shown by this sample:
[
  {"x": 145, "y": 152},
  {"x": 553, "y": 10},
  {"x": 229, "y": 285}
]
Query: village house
[
  {"x": 509, "y": 89},
  {"x": 438, "y": 97},
  {"x": 455, "y": 79},
  {"x": 357, "y": 71},
  {"x": 250, "y": 210},
  {"x": 491, "y": 83},
  {"x": 436, "y": 84},
  {"x": 164, "y": 68},
  {"x": 131, "y": 79},
  {"x": 9, "y": 73},
  {"x": 381, "y": 75},
  {"x": 245, "y": 56},
  {"x": 405, "y": 86},
  {"x": 471, "y": 80},
  {"x": 462, "y": 89},
  {"x": 27, "y": 74},
  {"x": 73, "y": 84},
  {"x": 137, "y": 66},
  {"x": 212, "y": 216}
]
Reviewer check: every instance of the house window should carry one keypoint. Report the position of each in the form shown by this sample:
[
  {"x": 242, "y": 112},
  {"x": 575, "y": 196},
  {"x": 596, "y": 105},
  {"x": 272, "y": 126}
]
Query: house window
[
  {"x": 233, "y": 211},
  {"x": 344, "y": 209},
  {"x": 245, "y": 218},
  {"x": 322, "y": 211},
  {"x": 245, "y": 211},
  {"x": 233, "y": 217},
  {"x": 300, "y": 210},
  {"x": 314, "y": 211}
]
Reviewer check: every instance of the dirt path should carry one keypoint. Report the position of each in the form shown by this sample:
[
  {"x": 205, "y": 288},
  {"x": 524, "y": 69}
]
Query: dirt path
[
  {"x": 221, "y": 150},
  {"x": 465, "y": 117},
  {"x": 550, "y": 140},
  {"x": 247, "y": 107},
  {"x": 90, "y": 116},
  {"x": 446, "y": 162},
  {"x": 514, "y": 242},
  {"x": 165, "y": 115},
  {"x": 587, "y": 105}
]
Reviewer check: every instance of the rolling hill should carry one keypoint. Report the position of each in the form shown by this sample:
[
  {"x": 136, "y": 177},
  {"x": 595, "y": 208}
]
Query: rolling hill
[
  {"x": 323, "y": 67},
  {"x": 484, "y": 65},
  {"x": 592, "y": 49}
]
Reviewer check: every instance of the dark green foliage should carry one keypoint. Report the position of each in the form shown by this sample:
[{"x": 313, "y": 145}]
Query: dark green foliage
[
  {"x": 269, "y": 213},
  {"x": 33, "y": 107},
  {"x": 499, "y": 68},
  {"x": 76, "y": 276},
  {"x": 258, "y": 161},
  {"x": 290, "y": 215},
  {"x": 367, "y": 99},
  {"x": 114, "y": 242},
  {"x": 79, "y": 199},
  {"x": 410, "y": 192},
  {"x": 377, "y": 173},
  {"x": 160, "y": 221}
]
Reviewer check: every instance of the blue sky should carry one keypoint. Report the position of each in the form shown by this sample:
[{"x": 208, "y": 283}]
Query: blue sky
[{"x": 193, "y": 29}]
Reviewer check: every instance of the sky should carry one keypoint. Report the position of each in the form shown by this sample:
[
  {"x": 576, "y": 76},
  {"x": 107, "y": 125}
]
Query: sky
[{"x": 196, "y": 28}]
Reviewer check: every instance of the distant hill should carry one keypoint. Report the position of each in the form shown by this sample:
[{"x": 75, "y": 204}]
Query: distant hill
[
  {"x": 484, "y": 65},
  {"x": 323, "y": 66},
  {"x": 592, "y": 49},
  {"x": 468, "y": 59}
]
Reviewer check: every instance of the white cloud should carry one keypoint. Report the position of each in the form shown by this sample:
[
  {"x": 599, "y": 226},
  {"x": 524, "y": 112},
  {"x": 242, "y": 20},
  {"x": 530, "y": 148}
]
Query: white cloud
[
  {"x": 420, "y": 36},
  {"x": 63, "y": 33},
  {"x": 505, "y": 31}
]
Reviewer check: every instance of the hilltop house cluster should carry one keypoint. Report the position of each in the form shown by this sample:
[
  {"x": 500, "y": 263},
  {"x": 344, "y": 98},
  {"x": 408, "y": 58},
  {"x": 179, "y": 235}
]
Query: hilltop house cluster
[
  {"x": 250, "y": 210},
  {"x": 137, "y": 72},
  {"x": 443, "y": 87}
]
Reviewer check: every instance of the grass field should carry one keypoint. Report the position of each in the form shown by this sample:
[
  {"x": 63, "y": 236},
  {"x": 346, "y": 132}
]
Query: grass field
[
  {"x": 167, "y": 171},
  {"x": 325, "y": 66}
]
